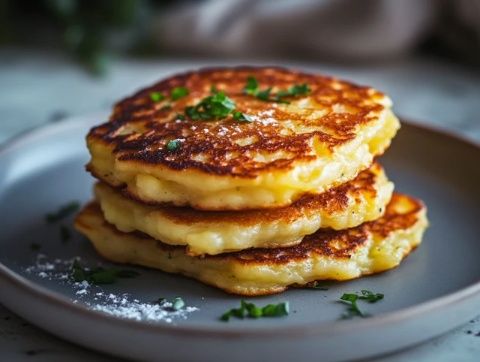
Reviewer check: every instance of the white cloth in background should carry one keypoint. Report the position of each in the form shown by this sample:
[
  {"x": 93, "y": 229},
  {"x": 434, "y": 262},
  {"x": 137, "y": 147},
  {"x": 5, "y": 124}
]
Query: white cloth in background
[{"x": 340, "y": 29}]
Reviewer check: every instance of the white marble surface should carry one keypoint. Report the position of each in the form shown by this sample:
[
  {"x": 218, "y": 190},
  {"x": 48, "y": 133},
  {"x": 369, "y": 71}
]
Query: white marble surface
[{"x": 37, "y": 88}]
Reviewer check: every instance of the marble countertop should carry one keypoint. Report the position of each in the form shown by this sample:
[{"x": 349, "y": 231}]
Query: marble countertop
[{"x": 38, "y": 88}]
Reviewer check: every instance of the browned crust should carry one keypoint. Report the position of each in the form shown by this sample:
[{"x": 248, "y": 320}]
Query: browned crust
[
  {"x": 340, "y": 244},
  {"x": 139, "y": 129},
  {"x": 332, "y": 201}
]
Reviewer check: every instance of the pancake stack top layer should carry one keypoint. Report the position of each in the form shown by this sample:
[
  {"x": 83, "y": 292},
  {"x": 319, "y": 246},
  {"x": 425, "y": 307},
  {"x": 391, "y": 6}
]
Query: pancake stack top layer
[
  {"x": 242, "y": 138},
  {"x": 199, "y": 167}
]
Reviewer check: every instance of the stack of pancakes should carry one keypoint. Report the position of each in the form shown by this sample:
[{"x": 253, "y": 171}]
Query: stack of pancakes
[{"x": 282, "y": 191}]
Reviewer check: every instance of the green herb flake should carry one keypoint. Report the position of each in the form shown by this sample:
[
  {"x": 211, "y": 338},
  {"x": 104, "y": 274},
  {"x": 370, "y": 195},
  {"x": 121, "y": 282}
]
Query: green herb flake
[
  {"x": 216, "y": 106},
  {"x": 370, "y": 297},
  {"x": 173, "y": 145},
  {"x": 178, "y": 92},
  {"x": 63, "y": 212},
  {"x": 265, "y": 95},
  {"x": 102, "y": 276},
  {"x": 252, "y": 311},
  {"x": 77, "y": 272},
  {"x": 178, "y": 303},
  {"x": 99, "y": 275},
  {"x": 242, "y": 117},
  {"x": 65, "y": 234},
  {"x": 351, "y": 300},
  {"x": 294, "y": 91},
  {"x": 252, "y": 88},
  {"x": 157, "y": 97}
]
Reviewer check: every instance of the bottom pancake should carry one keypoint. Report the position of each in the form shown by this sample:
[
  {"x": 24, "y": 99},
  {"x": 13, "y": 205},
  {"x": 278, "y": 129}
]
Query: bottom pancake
[{"x": 325, "y": 255}]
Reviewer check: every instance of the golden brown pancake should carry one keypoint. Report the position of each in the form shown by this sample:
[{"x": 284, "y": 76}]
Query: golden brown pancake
[
  {"x": 326, "y": 255},
  {"x": 305, "y": 143},
  {"x": 214, "y": 232}
]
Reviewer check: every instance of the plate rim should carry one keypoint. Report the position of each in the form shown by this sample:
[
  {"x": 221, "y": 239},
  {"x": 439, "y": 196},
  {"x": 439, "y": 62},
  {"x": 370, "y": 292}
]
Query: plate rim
[{"x": 49, "y": 296}]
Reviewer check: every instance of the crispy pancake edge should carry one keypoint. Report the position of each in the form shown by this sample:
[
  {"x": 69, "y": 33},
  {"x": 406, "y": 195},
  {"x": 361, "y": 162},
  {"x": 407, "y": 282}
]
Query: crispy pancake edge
[
  {"x": 332, "y": 201},
  {"x": 218, "y": 139},
  {"x": 323, "y": 242}
]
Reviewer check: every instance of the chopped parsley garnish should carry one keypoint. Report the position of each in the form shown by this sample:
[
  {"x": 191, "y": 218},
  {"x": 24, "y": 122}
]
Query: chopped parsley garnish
[
  {"x": 65, "y": 233},
  {"x": 178, "y": 92},
  {"x": 99, "y": 275},
  {"x": 212, "y": 107},
  {"x": 178, "y": 303},
  {"x": 252, "y": 88},
  {"x": 351, "y": 299},
  {"x": 252, "y": 311},
  {"x": 242, "y": 117},
  {"x": 173, "y": 145},
  {"x": 62, "y": 212},
  {"x": 157, "y": 96},
  {"x": 294, "y": 91}
]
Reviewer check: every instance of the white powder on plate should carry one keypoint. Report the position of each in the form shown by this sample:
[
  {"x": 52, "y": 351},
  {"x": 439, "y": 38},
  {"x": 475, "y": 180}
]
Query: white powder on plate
[{"x": 119, "y": 305}]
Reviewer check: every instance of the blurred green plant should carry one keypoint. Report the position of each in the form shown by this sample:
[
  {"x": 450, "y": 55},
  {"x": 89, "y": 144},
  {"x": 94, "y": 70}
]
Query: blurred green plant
[{"x": 89, "y": 30}]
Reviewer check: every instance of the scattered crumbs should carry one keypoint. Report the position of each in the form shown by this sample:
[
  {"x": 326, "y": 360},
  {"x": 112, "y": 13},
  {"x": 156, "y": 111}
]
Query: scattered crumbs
[
  {"x": 122, "y": 305},
  {"x": 469, "y": 332}
]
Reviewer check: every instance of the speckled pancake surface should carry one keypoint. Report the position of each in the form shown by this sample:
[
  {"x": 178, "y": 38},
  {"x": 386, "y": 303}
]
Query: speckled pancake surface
[
  {"x": 304, "y": 143},
  {"x": 214, "y": 232},
  {"x": 326, "y": 255}
]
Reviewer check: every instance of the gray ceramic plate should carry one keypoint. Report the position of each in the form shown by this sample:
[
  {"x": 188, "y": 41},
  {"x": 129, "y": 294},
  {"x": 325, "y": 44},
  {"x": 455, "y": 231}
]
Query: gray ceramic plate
[{"x": 434, "y": 290}]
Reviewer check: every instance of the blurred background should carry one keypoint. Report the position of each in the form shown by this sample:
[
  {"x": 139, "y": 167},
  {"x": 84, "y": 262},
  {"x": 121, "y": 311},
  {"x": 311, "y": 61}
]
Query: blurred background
[{"x": 60, "y": 58}]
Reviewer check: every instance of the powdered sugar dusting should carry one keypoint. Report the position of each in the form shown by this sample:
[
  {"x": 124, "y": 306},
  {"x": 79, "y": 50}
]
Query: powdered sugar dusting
[{"x": 122, "y": 305}]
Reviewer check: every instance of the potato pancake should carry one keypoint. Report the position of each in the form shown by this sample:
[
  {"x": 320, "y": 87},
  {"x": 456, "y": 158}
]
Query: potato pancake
[
  {"x": 240, "y": 138},
  {"x": 372, "y": 247},
  {"x": 214, "y": 232}
]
